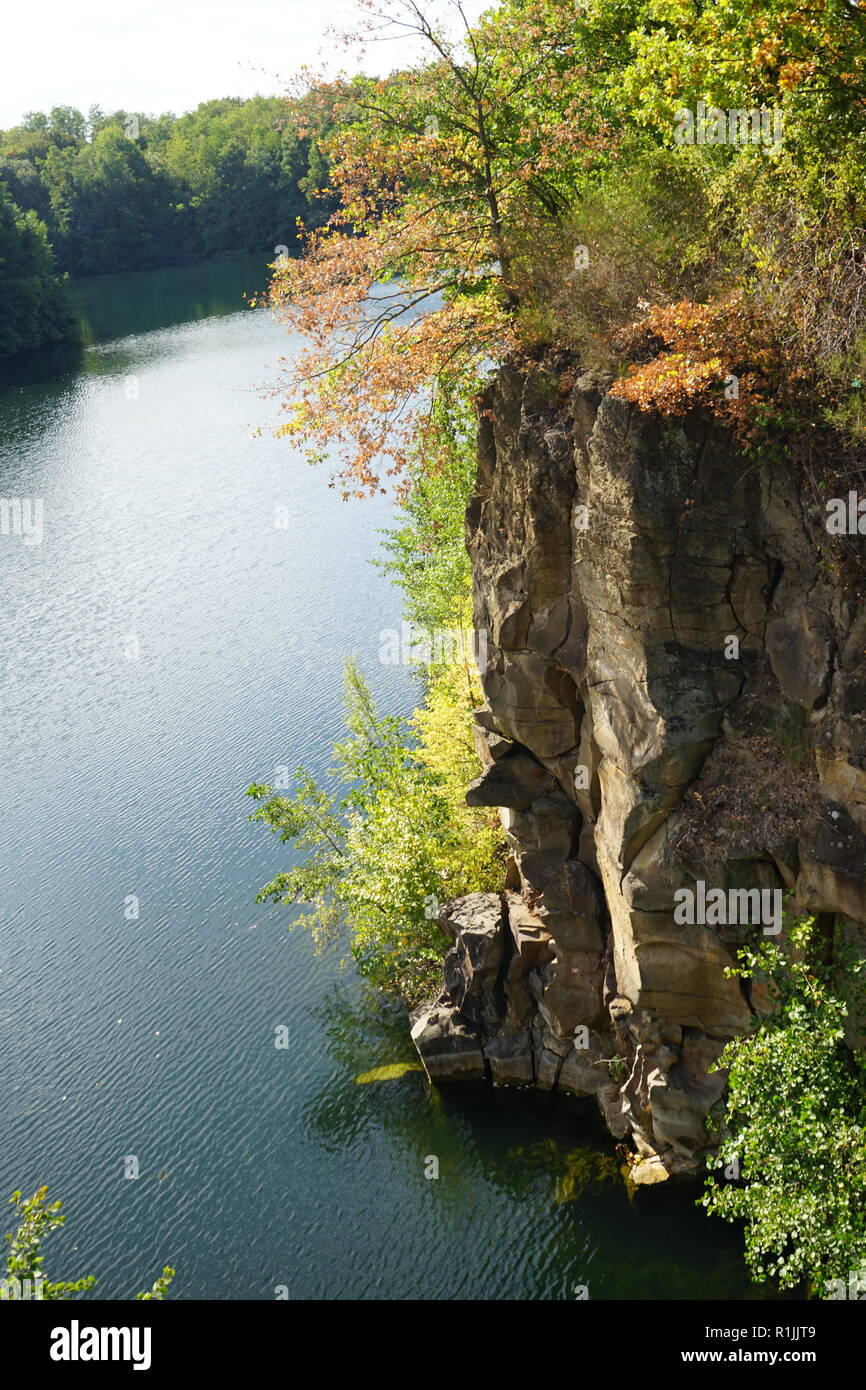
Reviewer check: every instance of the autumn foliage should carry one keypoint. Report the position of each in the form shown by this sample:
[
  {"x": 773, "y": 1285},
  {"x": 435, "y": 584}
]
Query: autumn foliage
[
  {"x": 731, "y": 277},
  {"x": 723, "y": 356},
  {"x": 438, "y": 170}
]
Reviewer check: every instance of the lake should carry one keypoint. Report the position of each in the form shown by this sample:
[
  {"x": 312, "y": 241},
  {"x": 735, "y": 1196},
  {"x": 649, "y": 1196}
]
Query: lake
[{"x": 164, "y": 645}]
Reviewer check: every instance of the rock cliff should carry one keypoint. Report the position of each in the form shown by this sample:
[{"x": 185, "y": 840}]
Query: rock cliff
[{"x": 676, "y": 699}]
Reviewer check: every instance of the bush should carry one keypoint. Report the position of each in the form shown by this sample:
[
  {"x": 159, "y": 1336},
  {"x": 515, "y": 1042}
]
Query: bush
[
  {"x": 648, "y": 236},
  {"x": 426, "y": 555},
  {"x": 381, "y": 857},
  {"x": 402, "y": 839},
  {"x": 795, "y": 1118}
]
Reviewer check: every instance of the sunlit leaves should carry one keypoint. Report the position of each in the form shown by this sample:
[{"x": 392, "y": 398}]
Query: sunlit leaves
[
  {"x": 795, "y": 1118},
  {"x": 398, "y": 837},
  {"x": 37, "y": 1218}
]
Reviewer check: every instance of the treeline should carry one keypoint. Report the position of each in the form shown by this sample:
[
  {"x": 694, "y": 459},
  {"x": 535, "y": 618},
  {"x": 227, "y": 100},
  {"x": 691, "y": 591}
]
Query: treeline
[
  {"x": 126, "y": 191},
  {"x": 33, "y": 307},
  {"x": 92, "y": 195}
]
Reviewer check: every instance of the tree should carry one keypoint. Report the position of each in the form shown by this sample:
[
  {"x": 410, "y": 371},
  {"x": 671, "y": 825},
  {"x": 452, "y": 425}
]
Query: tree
[
  {"x": 125, "y": 190},
  {"x": 795, "y": 1145},
  {"x": 33, "y": 306},
  {"x": 466, "y": 181},
  {"x": 379, "y": 857},
  {"x": 443, "y": 172},
  {"x": 112, "y": 209}
]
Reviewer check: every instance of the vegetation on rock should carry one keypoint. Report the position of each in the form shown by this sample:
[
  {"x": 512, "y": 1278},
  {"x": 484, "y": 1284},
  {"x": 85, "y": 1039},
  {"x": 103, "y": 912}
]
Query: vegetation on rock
[
  {"x": 381, "y": 856},
  {"x": 528, "y": 186},
  {"x": 672, "y": 192},
  {"x": 794, "y": 1147}
]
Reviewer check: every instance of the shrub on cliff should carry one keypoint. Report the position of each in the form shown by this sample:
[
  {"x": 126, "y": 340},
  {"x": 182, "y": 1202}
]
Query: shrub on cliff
[
  {"x": 644, "y": 232},
  {"x": 425, "y": 554},
  {"x": 794, "y": 1152},
  {"x": 382, "y": 856},
  {"x": 379, "y": 858}
]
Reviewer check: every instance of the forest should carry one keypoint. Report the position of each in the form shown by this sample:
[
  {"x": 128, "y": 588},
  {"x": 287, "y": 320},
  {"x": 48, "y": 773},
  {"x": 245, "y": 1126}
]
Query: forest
[{"x": 97, "y": 194}]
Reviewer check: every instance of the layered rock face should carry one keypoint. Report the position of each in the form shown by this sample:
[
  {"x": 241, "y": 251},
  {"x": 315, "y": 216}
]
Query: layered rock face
[{"x": 676, "y": 699}]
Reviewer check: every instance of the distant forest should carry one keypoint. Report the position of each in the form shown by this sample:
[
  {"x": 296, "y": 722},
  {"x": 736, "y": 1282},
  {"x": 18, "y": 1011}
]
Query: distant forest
[{"x": 96, "y": 194}]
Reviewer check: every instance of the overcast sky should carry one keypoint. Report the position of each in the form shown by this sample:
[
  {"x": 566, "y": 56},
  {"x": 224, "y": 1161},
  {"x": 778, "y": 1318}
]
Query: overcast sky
[{"x": 166, "y": 55}]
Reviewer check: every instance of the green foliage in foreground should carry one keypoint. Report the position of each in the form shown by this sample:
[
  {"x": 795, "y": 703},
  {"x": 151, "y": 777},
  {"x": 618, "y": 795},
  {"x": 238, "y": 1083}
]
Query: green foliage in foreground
[
  {"x": 24, "y": 1260},
  {"x": 795, "y": 1117},
  {"x": 379, "y": 858}
]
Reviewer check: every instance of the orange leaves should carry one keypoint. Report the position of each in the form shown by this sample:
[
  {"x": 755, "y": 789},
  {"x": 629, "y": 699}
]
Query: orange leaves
[
  {"x": 792, "y": 74},
  {"x": 672, "y": 384},
  {"x": 722, "y": 356},
  {"x": 442, "y": 172},
  {"x": 360, "y": 390},
  {"x": 766, "y": 54}
]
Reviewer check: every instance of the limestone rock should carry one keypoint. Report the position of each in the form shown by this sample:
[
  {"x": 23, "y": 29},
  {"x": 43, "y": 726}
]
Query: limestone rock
[
  {"x": 472, "y": 967},
  {"x": 489, "y": 745},
  {"x": 514, "y": 780},
  {"x": 584, "y": 1070},
  {"x": 511, "y": 1059}
]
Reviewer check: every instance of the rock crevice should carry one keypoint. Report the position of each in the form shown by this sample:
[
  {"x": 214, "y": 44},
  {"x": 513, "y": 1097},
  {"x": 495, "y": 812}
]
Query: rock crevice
[{"x": 666, "y": 650}]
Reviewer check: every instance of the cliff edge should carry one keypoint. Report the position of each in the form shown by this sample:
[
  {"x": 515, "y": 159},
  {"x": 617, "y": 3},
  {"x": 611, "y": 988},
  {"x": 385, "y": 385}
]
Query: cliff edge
[{"x": 675, "y": 735}]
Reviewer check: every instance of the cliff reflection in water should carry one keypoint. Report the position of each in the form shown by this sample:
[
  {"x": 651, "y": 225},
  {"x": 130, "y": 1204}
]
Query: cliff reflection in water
[{"x": 538, "y": 1170}]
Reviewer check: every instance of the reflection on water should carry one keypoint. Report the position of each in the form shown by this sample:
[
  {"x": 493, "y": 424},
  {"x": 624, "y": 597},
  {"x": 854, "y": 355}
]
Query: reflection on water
[
  {"x": 119, "y": 306},
  {"x": 115, "y": 306},
  {"x": 41, "y": 364},
  {"x": 536, "y": 1173}
]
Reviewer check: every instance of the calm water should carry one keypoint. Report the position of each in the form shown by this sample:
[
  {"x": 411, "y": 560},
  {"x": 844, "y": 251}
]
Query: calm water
[{"x": 163, "y": 646}]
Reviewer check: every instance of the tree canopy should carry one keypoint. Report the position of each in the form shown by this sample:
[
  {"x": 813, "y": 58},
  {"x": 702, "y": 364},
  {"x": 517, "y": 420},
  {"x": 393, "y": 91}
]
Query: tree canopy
[
  {"x": 128, "y": 191},
  {"x": 34, "y": 309},
  {"x": 527, "y": 183}
]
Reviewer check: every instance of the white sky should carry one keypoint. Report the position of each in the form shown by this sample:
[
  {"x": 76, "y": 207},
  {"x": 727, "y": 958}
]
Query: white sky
[{"x": 168, "y": 55}]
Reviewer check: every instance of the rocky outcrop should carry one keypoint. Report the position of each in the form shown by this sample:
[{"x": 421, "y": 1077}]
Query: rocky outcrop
[{"x": 676, "y": 699}]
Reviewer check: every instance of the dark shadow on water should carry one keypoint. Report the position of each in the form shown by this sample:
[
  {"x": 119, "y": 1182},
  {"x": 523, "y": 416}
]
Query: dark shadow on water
[
  {"x": 121, "y": 306},
  {"x": 118, "y": 306},
  {"x": 528, "y": 1152},
  {"x": 41, "y": 365}
]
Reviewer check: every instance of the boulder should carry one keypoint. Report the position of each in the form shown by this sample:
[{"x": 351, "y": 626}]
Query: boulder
[
  {"x": 514, "y": 780},
  {"x": 449, "y": 1050}
]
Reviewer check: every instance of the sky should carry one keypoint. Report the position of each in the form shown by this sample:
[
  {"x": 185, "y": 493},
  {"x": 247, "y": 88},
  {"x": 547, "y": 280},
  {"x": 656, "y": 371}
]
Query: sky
[{"x": 168, "y": 55}]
